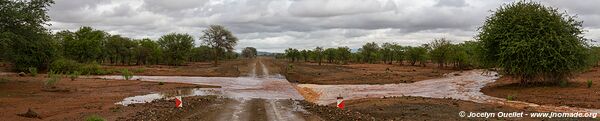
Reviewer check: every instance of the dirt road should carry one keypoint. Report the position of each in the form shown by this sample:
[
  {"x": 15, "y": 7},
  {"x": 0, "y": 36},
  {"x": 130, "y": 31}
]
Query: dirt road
[{"x": 260, "y": 95}]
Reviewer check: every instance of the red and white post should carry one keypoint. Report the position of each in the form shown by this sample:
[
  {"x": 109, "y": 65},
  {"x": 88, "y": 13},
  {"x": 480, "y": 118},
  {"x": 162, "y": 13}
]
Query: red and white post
[
  {"x": 340, "y": 102},
  {"x": 178, "y": 102}
]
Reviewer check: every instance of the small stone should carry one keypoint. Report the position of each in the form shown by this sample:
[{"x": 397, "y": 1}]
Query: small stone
[{"x": 30, "y": 114}]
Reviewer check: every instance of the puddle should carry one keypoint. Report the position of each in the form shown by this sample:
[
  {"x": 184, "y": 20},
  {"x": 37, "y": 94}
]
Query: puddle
[
  {"x": 457, "y": 85},
  {"x": 169, "y": 95}
]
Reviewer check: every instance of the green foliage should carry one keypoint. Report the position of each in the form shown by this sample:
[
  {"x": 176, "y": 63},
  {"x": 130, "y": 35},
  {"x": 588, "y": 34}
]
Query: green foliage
[
  {"x": 176, "y": 47},
  {"x": 64, "y": 66},
  {"x": 343, "y": 54},
  {"x": 510, "y": 97},
  {"x": 89, "y": 68},
  {"x": 148, "y": 51},
  {"x": 369, "y": 52},
  {"x": 74, "y": 75},
  {"x": 94, "y": 118},
  {"x": 440, "y": 52},
  {"x": 292, "y": 54},
  {"x": 23, "y": 39},
  {"x": 318, "y": 54},
  {"x": 330, "y": 54},
  {"x": 533, "y": 42},
  {"x": 126, "y": 74},
  {"x": 33, "y": 71},
  {"x": 219, "y": 39},
  {"x": 589, "y": 83},
  {"x": 122, "y": 49},
  {"x": 84, "y": 45},
  {"x": 53, "y": 78},
  {"x": 202, "y": 53},
  {"x": 416, "y": 54},
  {"x": 249, "y": 52}
]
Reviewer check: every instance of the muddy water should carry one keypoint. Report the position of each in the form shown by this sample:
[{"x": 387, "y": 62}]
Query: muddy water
[
  {"x": 457, "y": 85},
  {"x": 252, "y": 95}
]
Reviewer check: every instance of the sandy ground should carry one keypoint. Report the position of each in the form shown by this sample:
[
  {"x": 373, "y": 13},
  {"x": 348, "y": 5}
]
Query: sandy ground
[
  {"x": 227, "y": 68},
  {"x": 312, "y": 73},
  {"x": 74, "y": 100},
  {"x": 576, "y": 94}
]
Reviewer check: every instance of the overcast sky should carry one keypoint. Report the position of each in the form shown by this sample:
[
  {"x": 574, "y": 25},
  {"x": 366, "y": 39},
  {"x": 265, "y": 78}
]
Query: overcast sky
[{"x": 274, "y": 25}]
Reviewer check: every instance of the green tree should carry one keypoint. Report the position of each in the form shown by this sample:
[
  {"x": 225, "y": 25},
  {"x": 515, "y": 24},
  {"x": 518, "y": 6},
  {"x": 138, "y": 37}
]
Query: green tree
[
  {"x": 119, "y": 49},
  {"x": 305, "y": 54},
  {"x": 84, "y": 45},
  {"x": 369, "y": 52},
  {"x": 387, "y": 52},
  {"x": 343, "y": 54},
  {"x": 318, "y": 52},
  {"x": 330, "y": 54},
  {"x": 440, "y": 49},
  {"x": 417, "y": 54},
  {"x": 292, "y": 54},
  {"x": 23, "y": 39},
  {"x": 220, "y": 39},
  {"x": 202, "y": 53},
  {"x": 249, "y": 52},
  {"x": 533, "y": 42},
  {"x": 176, "y": 47},
  {"x": 147, "y": 51}
]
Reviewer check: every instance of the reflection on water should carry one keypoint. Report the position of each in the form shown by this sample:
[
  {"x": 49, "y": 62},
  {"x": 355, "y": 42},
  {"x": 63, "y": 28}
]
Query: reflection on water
[
  {"x": 170, "y": 95},
  {"x": 271, "y": 87}
]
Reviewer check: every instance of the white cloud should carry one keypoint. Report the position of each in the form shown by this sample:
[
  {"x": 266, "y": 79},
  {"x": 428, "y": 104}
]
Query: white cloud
[{"x": 274, "y": 25}]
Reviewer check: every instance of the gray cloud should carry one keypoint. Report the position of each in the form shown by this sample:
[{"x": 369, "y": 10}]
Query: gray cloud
[{"x": 273, "y": 25}]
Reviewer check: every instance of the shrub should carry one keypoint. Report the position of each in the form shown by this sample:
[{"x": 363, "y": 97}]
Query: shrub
[
  {"x": 74, "y": 75},
  {"x": 589, "y": 83},
  {"x": 161, "y": 83},
  {"x": 65, "y": 66},
  {"x": 534, "y": 43},
  {"x": 126, "y": 74},
  {"x": 33, "y": 71},
  {"x": 510, "y": 97},
  {"x": 53, "y": 78},
  {"x": 91, "y": 68},
  {"x": 94, "y": 118}
]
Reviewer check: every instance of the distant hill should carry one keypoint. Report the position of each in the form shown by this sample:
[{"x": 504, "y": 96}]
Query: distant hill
[{"x": 262, "y": 53}]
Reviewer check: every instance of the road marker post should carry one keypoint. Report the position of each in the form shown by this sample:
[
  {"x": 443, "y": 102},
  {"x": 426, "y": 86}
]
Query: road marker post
[
  {"x": 178, "y": 102},
  {"x": 340, "y": 102}
]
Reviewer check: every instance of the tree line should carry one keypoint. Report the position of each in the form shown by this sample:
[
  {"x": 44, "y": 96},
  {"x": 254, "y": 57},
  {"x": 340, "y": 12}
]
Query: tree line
[
  {"x": 439, "y": 51},
  {"x": 26, "y": 43}
]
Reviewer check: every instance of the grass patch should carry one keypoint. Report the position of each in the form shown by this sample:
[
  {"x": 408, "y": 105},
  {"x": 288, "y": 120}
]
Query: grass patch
[
  {"x": 589, "y": 83},
  {"x": 53, "y": 78},
  {"x": 138, "y": 70},
  {"x": 126, "y": 74},
  {"x": 94, "y": 118}
]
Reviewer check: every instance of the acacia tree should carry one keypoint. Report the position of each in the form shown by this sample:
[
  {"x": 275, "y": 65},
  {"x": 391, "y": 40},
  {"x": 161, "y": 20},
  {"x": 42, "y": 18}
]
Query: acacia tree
[
  {"x": 305, "y": 54},
  {"x": 440, "y": 51},
  {"x": 249, "y": 52},
  {"x": 176, "y": 47},
  {"x": 330, "y": 54},
  {"x": 387, "y": 52},
  {"x": 369, "y": 52},
  {"x": 533, "y": 42},
  {"x": 220, "y": 39},
  {"x": 23, "y": 39},
  {"x": 417, "y": 54}
]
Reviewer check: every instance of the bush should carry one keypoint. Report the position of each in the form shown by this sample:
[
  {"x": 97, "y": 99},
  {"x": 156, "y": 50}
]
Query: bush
[
  {"x": 33, "y": 71},
  {"x": 161, "y": 83},
  {"x": 589, "y": 83},
  {"x": 94, "y": 118},
  {"x": 53, "y": 78},
  {"x": 91, "y": 68},
  {"x": 126, "y": 74},
  {"x": 64, "y": 66},
  {"x": 534, "y": 43},
  {"x": 510, "y": 97}
]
